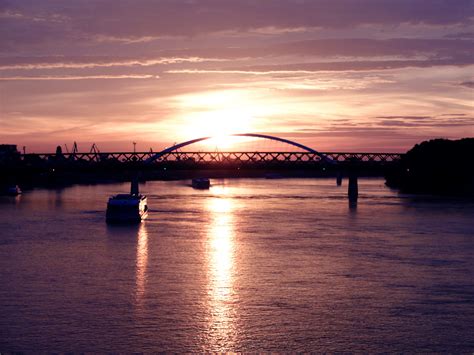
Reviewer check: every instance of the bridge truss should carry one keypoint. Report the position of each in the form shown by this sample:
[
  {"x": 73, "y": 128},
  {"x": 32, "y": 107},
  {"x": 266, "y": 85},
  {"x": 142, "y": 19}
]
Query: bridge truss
[
  {"x": 218, "y": 157},
  {"x": 176, "y": 155}
]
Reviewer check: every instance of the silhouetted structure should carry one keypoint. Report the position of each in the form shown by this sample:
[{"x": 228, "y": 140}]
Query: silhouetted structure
[
  {"x": 353, "y": 186},
  {"x": 63, "y": 168},
  {"x": 9, "y": 154},
  {"x": 127, "y": 208},
  {"x": 438, "y": 166}
]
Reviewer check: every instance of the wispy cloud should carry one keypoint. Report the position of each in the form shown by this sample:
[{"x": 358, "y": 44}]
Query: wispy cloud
[
  {"x": 463, "y": 35},
  {"x": 468, "y": 84},
  {"x": 405, "y": 117},
  {"x": 85, "y": 62},
  {"x": 77, "y": 77},
  {"x": 310, "y": 68},
  {"x": 145, "y": 18}
]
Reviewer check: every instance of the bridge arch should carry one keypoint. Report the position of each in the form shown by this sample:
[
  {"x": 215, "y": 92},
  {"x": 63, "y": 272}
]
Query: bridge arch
[{"x": 252, "y": 135}]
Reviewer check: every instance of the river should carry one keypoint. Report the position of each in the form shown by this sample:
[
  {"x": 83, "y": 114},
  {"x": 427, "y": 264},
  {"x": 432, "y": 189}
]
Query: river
[{"x": 249, "y": 265}]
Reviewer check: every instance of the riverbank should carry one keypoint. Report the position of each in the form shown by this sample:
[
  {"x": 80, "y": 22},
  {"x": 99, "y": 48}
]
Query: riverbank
[{"x": 439, "y": 166}]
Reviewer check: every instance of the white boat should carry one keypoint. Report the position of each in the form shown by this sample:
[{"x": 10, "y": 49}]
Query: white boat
[
  {"x": 201, "y": 183},
  {"x": 127, "y": 208}
]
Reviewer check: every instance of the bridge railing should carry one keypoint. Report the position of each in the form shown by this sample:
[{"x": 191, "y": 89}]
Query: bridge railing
[{"x": 216, "y": 157}]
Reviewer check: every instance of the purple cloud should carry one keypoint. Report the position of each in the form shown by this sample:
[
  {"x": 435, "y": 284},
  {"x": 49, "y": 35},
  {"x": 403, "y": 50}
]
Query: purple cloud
[
  {"x": 345, "y": 72},
  {"x": 468, "y": 84},
  {"x": 31, "y": 21}
]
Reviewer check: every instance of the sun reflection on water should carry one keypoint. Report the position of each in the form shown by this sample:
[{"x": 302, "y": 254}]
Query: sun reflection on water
[
  {"x": 220, "y": 270},
  {"x": 141, "y": 263}
]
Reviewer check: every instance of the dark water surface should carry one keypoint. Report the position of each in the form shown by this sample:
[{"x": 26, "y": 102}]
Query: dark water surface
[{"x": 276, "y": 265}]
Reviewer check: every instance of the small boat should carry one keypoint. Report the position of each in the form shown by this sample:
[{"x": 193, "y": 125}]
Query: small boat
[
  {"x": 201, "y": 183},
  {"x": 273, "y": 176},
  {"x": 127, "y": 208},
  {"x": 11, "y": 190}
]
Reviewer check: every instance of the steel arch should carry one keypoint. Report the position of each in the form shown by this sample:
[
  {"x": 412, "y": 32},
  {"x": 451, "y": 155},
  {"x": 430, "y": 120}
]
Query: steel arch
[{"x": 254, "y": 135}]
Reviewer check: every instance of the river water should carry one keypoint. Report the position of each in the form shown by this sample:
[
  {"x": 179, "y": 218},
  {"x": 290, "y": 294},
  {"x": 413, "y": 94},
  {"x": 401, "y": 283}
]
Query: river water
[{"x": 251, "y": 264}]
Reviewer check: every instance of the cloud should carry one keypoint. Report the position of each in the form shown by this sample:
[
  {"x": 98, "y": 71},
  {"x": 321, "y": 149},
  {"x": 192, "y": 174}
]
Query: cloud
[
  {"x": 78, "y": 77},
  {"x": 426, "y": 122},
  {"x": 310, "y": 68},
  {"x": 458, "y": 35},
  {"x": 433, "y": 124},
  {"x": 318, "y": 55},
  {"x": 468, "y": 84},
  {"x": 389, "y": 128},
  {"x": 32, "y": 22},
  {"x": 338, "y": 49},
  {"x": 405, "y": 117},
  {"x": 343, "y": 72},
  {"x": 366, "y": 47},
  {"x": 147, "y": 18},
  {"x": 61, "y": 62}
]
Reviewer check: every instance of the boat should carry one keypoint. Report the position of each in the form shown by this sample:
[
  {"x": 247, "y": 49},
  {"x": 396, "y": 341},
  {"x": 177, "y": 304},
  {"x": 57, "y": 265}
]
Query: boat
[
  {"x": 11, "y": 190},
  {"x": 201, "y": 183},
  {"x": 127, "y": 208},
  {"x": 273, "y": 176}
]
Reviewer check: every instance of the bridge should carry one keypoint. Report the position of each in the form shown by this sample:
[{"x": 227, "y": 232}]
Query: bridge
[
  {"x": 187, "y": 159},
  {"x": 292, "y": 154}
]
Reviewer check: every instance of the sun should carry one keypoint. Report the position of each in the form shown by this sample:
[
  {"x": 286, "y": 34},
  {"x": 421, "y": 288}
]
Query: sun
[
  {"x": 218, "y": 116},
  {"x": 220, "y": 125}
]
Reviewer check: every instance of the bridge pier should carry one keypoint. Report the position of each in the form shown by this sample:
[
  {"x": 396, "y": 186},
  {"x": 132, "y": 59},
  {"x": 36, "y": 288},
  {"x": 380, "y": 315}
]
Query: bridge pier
[
  {"x": 353, "y": 188},
  {"x": 339, "y": 178}
]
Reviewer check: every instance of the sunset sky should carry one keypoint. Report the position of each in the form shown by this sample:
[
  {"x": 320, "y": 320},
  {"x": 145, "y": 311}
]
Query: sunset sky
[{"x": 337, "y": 75}]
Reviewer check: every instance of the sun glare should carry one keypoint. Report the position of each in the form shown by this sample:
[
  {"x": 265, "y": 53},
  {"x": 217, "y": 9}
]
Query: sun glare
[{"x": 216, "y": 115}]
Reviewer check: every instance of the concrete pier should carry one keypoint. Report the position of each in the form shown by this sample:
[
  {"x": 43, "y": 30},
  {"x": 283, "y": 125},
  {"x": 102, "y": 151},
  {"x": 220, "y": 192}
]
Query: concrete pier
[{"x": 353, "y": 188}]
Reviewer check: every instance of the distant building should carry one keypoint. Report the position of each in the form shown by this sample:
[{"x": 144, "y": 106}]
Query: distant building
[
  {"x": 8, "y": 148},
  {"x": 9, "y": 153}
]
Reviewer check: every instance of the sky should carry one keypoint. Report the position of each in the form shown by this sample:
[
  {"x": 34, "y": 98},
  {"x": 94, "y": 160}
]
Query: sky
[{"x": 336, "y": 75}]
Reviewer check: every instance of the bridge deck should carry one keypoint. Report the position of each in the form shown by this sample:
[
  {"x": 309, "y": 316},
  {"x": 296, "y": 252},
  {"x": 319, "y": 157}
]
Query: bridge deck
[{"x": 224, "y": 157}]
